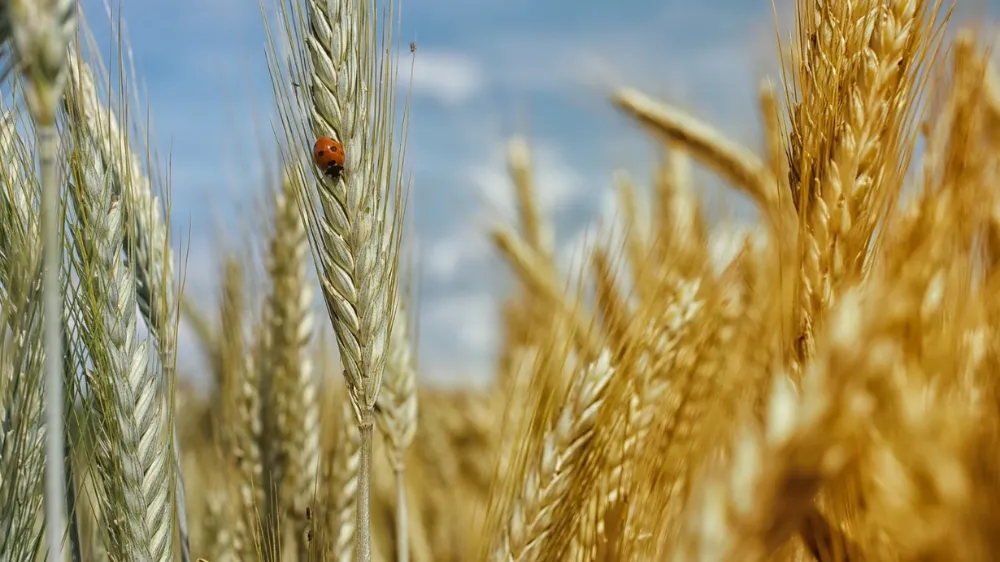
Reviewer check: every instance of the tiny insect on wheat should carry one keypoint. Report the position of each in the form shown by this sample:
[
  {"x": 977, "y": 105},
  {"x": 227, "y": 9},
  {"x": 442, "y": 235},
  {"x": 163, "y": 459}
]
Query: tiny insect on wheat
[{"x": 329, "y": 155}]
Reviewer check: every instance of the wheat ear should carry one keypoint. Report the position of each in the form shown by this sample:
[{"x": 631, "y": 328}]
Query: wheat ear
[
  {"x": 354, "y": 218},
  {"x": 38, "y": 34},
  {"x": 397, "y": 417},
  {"x": 135, "y": 472},
  {"x": 537, "y": 231},
  {"x": 218, "y": 528},
  {"x": 293, "y": 385},
  {"x": 735, "y": 163},
  {"x": 146, "y": 244},
  {"x": 535, "y": 273},
  {"x": 774, "y": 474},
  {"x": 21, "y": 402},
  {"x": 341, "y": 479},
  {"x": 240, "y": 390},
  {"x": 546, "y": 482}
]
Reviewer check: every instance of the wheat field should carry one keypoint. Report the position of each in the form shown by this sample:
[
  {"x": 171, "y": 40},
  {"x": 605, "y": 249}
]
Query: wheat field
[{"x": 825, "y": 393}]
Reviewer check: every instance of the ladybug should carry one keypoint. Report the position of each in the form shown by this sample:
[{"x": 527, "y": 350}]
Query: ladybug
[{"x": 329, "y": 155}]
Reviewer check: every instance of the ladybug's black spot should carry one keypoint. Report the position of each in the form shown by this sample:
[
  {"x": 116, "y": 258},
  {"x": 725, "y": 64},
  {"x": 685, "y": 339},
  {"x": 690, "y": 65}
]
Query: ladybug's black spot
[{"x": 333, "y": 149}]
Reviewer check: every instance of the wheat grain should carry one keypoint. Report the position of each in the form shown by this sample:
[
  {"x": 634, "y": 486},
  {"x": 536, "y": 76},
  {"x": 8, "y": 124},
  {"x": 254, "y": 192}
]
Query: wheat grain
[
  {"x": 293, "y": 385},
  {"x": 343, "y": 465},
  {"x": 145, "y": 244},
  {"x": 737, "y": 164},
  {"x": 354, "y": 219},
  {"x": 135, "y": 471},
  {"x": 545, "y": 483}
]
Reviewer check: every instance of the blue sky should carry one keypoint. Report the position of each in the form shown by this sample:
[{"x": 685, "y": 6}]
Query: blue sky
[{"x": 485, "y": 70}]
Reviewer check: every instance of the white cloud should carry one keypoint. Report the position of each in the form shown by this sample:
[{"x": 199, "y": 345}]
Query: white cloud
[
  {"x": 557, "y": 183},
  {"x": 463, "y": 374},
  {"x": 447, "y": 256},
  {"x": 460, "y": 339},
  {"x": 448, "y": 77},
  {"x": 471, "y": 320}
]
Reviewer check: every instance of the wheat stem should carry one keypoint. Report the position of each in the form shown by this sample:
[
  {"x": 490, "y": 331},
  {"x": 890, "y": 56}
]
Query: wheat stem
[
  {"x": 364, "y": 544},
  {"x": 52, "y": 328},
  {"x": 41, "y": 31},
  {"x": 402, "y": 528}
]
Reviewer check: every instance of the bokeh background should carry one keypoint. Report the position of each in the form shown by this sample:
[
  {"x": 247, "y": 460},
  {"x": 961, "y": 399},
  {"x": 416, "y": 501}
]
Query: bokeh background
[{"x": 484, "y": 70}]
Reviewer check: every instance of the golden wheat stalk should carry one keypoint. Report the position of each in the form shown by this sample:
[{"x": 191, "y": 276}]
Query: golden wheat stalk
[
  {"x": 342, "y": 476},
  {"x": 397, "y": 418},
  {"x": 292, "y": 386},
  {"x": 545, "y": 482},
  {"x": 242, "y": 405}
]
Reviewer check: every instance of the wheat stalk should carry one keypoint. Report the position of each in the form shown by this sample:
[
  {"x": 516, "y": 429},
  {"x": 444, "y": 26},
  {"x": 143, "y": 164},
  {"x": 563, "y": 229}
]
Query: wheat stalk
[
  {"x": 131, "y": 440},
  {"x": 146, "y": 245},
  {"x": 342, "y": 476},
  {"x": 545, "y": 483},
  {"x": 355, "y": 219},
  {"x": 397, "y": 417},
  {"x": 37, "y": 35},
  {"x": 293, "y": 385}
]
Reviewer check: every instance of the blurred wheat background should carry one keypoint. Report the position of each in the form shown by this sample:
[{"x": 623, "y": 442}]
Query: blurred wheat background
[{"x": 776, "y": 344}]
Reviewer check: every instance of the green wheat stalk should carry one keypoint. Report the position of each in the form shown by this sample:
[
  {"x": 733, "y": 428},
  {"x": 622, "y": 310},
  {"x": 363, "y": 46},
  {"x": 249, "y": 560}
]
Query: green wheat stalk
[{"x": 343, "y": 60}]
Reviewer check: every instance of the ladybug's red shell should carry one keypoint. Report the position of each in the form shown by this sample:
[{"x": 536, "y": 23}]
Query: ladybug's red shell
[{"x": 329, "y": 155}]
